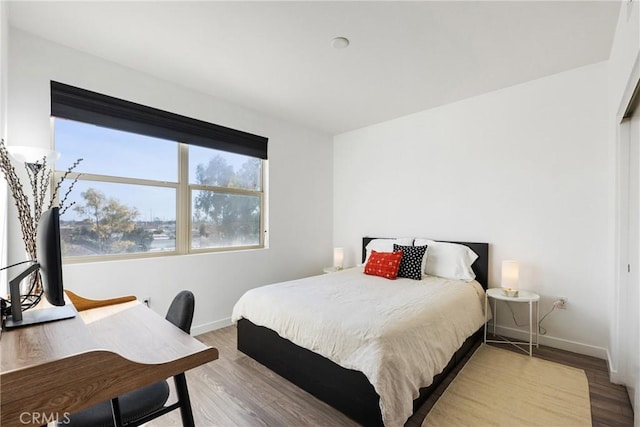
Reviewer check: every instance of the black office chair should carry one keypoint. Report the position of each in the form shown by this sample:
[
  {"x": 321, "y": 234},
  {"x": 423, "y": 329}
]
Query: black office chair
[{"x": 142, "y": 405}]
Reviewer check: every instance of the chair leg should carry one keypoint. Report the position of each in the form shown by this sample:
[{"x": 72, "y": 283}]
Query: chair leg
[
  {"x": 115, "y": 411},
  {"x": 183, "y": 397}
]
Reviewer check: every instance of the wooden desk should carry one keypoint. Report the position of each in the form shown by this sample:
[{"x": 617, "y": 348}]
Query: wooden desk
[{"x": 69, "y": 365}]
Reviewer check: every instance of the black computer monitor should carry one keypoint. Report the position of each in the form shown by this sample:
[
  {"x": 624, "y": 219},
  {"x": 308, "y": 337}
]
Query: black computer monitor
[
  {"x": 49, "y": 262},
  {"x": 49, "y": 256}
]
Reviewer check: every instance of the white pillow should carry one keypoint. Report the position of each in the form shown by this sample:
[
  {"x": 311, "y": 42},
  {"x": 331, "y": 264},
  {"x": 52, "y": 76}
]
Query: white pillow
[
  {"x": 386, "y": 245},
  {"x": 448, "y": 260}
]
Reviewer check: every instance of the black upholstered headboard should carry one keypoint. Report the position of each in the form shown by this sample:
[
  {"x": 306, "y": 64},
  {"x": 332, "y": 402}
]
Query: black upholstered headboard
[{"x": 480, "y": 266}]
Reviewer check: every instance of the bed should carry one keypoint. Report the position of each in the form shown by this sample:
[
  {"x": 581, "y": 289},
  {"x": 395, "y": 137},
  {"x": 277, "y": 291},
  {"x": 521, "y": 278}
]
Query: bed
[{"x": 342, "y": 375}]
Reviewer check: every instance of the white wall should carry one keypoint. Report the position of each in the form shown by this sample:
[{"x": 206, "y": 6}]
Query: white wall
[
  {"x": 525, "y": 169},
  {"x": 300, "y": 170},
  {"x": 4, "y": 54}
]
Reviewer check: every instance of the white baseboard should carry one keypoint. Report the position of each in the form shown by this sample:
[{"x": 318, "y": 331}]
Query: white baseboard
[
  {"x": 211, "y": 326},
  {"x": 560, "y": 343},
  {"x": 614, "y": 375}
]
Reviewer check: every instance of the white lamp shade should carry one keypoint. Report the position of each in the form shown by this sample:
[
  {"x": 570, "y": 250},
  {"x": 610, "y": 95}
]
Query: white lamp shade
[
  {"x": 338, "y": 257},
  {"x": 510, "y": 274},
  {"x": 26, "y": 154}
]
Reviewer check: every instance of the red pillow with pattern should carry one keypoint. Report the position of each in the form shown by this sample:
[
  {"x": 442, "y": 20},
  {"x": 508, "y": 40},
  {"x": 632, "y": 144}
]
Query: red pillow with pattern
[{"x": 384, "y": 264}]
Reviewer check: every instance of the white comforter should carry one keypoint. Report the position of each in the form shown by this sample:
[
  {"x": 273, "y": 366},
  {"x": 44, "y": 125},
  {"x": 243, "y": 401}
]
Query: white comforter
[{"x": 399, "y": 333}]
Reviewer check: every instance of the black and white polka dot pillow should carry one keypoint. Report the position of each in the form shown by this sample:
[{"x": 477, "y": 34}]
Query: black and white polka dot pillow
[{"x": 411, "y": 263}]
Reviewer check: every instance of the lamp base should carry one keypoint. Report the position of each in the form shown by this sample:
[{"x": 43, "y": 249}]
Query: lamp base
[{"x": 510, "y": 292}]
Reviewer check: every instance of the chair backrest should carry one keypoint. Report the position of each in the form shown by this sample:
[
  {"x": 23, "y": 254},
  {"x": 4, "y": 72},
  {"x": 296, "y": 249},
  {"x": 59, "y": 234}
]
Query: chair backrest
[{"x": 180, "y": 311}]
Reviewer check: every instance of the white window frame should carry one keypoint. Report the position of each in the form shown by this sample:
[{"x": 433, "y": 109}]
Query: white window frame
[{"x": 183, "y": 207}]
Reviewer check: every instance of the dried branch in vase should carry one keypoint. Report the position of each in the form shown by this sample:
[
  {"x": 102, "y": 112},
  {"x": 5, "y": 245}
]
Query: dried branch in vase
[{"x": 29, "y": 213}]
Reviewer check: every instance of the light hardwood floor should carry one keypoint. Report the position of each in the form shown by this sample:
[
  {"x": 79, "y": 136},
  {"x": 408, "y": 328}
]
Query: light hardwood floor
[{"x": 235, "y": 390}]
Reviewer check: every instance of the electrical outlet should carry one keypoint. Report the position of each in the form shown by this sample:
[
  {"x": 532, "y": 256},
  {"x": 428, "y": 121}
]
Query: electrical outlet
[
  {"x": 560, "y": 303},
  {"x": 147, "y": 301}
]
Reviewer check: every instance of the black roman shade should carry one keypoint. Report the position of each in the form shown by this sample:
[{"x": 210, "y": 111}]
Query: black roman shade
[{"x": 82, "y": 105}]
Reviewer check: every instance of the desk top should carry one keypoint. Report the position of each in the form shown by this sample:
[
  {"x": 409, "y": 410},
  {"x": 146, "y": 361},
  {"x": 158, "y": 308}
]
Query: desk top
[{"x": 71, "y": 364}]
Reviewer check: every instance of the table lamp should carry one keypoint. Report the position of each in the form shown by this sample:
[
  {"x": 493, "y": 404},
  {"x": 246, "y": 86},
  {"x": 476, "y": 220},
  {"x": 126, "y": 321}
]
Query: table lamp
[
  {"x": 32, "y": 156},
  {"x": 338, "y": 258},
  {"x": 510, "y": 276}
]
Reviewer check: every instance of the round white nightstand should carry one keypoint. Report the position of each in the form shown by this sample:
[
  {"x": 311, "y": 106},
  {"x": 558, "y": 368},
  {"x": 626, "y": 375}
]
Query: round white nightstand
[{"x": 529, "y": 297}]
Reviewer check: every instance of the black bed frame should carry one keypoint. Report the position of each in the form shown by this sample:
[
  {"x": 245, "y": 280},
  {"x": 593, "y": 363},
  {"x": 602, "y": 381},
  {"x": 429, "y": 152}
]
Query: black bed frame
[{"x": 347, "y": 390}]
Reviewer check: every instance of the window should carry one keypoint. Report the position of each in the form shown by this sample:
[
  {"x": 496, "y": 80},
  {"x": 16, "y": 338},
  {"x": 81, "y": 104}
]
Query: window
[
  {"x": 226, "y": 199},
  {"x": 143, "y": 194}
]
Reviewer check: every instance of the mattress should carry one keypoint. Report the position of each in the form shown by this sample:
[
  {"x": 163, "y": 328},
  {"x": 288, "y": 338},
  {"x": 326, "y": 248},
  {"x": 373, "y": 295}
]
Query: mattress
[{"x": 399, "y": 333}]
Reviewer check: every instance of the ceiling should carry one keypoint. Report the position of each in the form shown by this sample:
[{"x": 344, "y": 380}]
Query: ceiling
[{"x": 277, "y": 58}]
